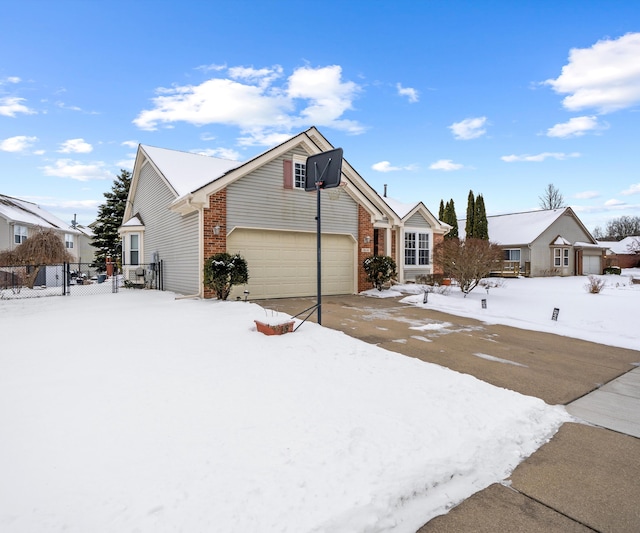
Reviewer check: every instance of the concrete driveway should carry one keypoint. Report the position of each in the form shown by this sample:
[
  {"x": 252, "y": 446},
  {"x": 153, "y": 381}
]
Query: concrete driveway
[{"x": 586, "y": 478}]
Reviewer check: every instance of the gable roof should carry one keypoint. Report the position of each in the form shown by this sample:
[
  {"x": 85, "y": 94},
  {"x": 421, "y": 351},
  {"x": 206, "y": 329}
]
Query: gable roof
[
  {"x": 23, "y": 212},
  {"x": 525, "y": 227},
  {"x": 186, "y": 171},
  {"x": 406, "y": 211}
]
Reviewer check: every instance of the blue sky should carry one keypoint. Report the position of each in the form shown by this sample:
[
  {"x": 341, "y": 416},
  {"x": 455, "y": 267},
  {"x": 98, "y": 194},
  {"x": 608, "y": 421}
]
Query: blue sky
[{"x": 432, "y": 98}]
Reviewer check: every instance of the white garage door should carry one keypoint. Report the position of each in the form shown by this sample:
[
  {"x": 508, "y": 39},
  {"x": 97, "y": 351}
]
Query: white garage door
[
  {"x": 591, "y": 264},
  {"x": 284, "y": 263}
]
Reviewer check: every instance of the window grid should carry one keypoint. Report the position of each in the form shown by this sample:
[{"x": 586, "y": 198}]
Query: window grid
[
  {"x": 299, "y": 175},
  {"x": 416, "y": 248}
]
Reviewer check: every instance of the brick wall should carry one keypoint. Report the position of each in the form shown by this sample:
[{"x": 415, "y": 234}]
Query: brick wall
[
  {"x": 437, "y": 239},
  {"x": 365, "y": 229},
  {"x": 215, "y": 215}
]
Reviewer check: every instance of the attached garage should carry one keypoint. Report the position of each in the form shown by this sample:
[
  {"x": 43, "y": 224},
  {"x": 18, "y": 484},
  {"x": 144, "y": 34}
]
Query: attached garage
[
  {"x": 591, "y": 264},
  {"x": 282, "y": 264}
]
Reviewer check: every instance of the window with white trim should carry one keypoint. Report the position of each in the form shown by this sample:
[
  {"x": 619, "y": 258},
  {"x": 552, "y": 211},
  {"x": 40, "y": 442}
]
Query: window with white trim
[
  {"x": 512, "y": 254},
  {"x": 68, "y": 240},
  {"x": 560, "y": 257},
  {"x": 134, "y": 249},
  {"x": 416, "y": 248},
  {"x": 19, "y": 234},
  {"x": 299, "y": 174}
]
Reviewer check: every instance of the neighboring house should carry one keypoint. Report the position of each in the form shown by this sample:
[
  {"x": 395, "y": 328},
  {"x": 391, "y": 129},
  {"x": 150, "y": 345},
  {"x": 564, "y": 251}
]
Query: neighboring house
[
  {"x": 551, "y": 242},
  {"x": 86, "y": 250},
  {"x": 19, "y": 219},
  {"x": 184, "y": 207},
  {"x": 624, "y": 253}
]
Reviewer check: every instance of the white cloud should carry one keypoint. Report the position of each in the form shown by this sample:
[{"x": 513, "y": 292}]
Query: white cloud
[
  {"x": 10, "y": 79},
  {"x": 469, "y": 128},
  {"x": 586, "y": 195},
  {"x": 75, "y": 170},
  {"x": 411, "y": 94},
  {"x": 614, "y": 203},
  {"x": 385, "y": 166},
  {"x": 633, "y": 189},
  {"x": 222, "y": 153},
  {"x": 539, "y": 157},
  {"x": 251, "y": 100},
  {"x": 605, "y": 77},
  {"x": 20, "y": 143},
  {"x": 75, "y": 146},
  {"x": 130, "y": 144},
  {"x": 445, "y": 164},
  {"x": 11, "y": 105},
  {"x": 575, "y": 127}
]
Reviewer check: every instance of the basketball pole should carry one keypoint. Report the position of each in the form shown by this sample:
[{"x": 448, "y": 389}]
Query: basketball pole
[{"x": 319, "y": 246}]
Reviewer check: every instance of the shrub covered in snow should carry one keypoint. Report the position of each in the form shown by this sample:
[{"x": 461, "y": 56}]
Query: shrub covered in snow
[
  {"x": 222, "y": 271},
  {"x": 379, "y": 269}
]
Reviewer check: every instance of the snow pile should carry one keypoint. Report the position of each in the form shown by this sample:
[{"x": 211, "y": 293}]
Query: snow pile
[{"x": 139, "y": 412}]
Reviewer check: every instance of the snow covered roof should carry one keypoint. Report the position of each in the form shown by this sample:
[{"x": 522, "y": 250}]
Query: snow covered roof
[
  {"x": 187, "y": 172},
  {"x": 401, "y": 209},
  {"x": 30, "y": 214},
  {"x": 561, "y": 241},
  {"x": 625, "y": 246},
  {"x": 518, "y": 228},
  {"x": 133, "y": 221}
]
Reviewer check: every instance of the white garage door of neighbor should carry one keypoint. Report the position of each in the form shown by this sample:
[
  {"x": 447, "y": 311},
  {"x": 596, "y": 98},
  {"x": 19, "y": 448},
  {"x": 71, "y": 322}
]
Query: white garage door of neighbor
[
  {"x": 284, "y": 263},
  {"x": 591, "y": 264}
]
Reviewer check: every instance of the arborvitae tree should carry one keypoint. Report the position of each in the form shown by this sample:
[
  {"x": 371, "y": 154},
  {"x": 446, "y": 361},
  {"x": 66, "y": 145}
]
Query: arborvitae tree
[
  {"x": 451, "y": 218},
  {"x": 106, "y": 239},
  {"x": 441, "y": 212},
  {"x": 471, "y": 212},
  {"x": 480, "y": 223}
]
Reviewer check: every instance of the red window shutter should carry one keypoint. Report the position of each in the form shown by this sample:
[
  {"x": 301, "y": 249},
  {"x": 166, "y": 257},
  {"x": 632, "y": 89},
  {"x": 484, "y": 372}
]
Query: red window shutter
[{"x": 288, "y": 174}]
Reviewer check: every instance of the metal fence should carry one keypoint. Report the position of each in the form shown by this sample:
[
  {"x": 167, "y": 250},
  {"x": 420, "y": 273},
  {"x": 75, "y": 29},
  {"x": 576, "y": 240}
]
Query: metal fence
[{"x": 70, "y": 279}]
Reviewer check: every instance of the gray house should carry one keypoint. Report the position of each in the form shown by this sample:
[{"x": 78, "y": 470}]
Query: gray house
[
  {"x": 552, "y": 242},
  {"x": 19, "y": 219},
  {"x": 184, "y": 207}
]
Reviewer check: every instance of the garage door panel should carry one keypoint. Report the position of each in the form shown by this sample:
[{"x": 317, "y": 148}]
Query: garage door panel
[{"x": 283, "y": 264}]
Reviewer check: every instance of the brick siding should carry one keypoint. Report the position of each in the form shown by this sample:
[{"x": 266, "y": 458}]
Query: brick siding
[
  {"x": 215, "y": 215},
  {"x": 365, "y": 229}
]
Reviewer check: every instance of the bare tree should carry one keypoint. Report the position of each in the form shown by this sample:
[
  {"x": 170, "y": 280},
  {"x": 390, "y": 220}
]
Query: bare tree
[
  {"x": 467, "y": 261},
  {"x": 551, "y": 198},
  {"x": 624, "y": 226}
]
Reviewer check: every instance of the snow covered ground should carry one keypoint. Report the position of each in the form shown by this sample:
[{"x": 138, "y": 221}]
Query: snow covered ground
[
  {"x": 139, "y": 412},
  {"x": 609, "y": 317}
]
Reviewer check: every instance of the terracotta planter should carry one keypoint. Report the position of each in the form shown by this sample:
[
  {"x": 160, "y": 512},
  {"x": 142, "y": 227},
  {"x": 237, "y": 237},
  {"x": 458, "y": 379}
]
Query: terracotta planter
[
  {"x": 274, "y": 329},
  {"x": 446, "y": 281}
]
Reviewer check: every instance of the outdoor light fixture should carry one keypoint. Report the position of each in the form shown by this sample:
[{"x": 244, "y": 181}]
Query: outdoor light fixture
[
  {"x": 367, "y": 239},
  {"x": 216, "y": 230}
]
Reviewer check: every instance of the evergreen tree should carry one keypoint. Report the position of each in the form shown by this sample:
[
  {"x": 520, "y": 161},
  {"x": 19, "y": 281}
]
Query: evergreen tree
[
  {"x": 110, "y": 214},
  {"x": 441, "y": 211},
  {"x": 480, "y": 223},
  {"x": 471, "y": 212},
  {"x": 451, "y": 218}
]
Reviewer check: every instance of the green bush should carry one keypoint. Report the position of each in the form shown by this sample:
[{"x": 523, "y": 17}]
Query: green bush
[
  {"x": 379, "y": 269},
  {"x": 222, "y": 271},
  {"x": 613, "y": 270}
]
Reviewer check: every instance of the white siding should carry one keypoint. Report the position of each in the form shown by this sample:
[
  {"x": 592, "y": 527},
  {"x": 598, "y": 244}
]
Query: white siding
[
  {"x": 417, "y": 221},
  {"x": 173, "y": 236}
]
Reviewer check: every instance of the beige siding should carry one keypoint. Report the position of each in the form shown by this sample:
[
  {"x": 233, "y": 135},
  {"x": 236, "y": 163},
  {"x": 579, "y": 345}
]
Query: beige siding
[
  {"x": 541, "y": 250},
  {"x": 173, "y": 236},
  {"x": 259, "y": 200}
]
